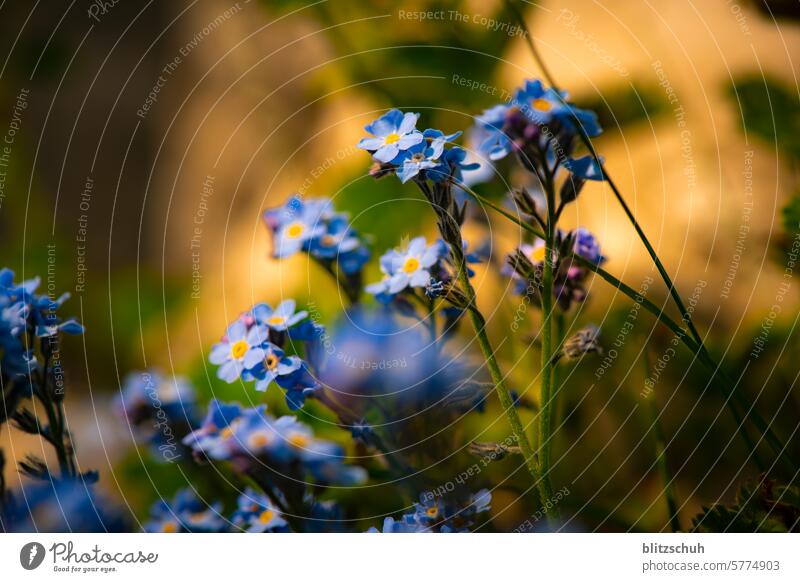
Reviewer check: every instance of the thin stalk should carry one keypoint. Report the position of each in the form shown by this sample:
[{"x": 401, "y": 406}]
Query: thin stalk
[
  {"x": 659, "y": 443},
  {"x": 546, "y": 400},
  {"x": 479, "y": 325},
  {"x": 734, "y": 398}
]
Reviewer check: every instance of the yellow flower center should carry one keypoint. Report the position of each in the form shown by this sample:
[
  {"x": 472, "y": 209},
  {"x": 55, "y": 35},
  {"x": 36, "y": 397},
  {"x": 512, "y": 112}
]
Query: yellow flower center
[
  {"x": 298, "y": 440},
  {"x": 295, "y": 230},
  {"x": 258, "y": 440},
  {"x": 432, "y": 511},
  {"x": 226, "y": 433},
  {"x": 411, "y": 265},
  {"x": 198, "y": 517},
  {"x": 271, "y": 361},
  {"x": 537, "y": 255},
  {"x": 328, "y": 240},
  {"x": 169, "y": 527},
  {"x": 239, "y": 349},
  {"x": 392, "y": 138},
  {"x": 276, "y": 320},
  {"x": 266, "y": 516},
  {"x": 541, "y": 105}
]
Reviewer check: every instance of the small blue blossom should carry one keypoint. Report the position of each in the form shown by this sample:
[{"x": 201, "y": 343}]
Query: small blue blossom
[
  {"x": 296, "y": 224},
  {"x": 239, "y": 351},
  {"x": 281, "y": 318},
  {"x": 494, "y": 143},
  {"x": 410, "y": 267},
  {"x": 186, "y": 514},
  {"x": 542, "y": 105},
  {"x": 257, "y": 514},
  {"x": 273, "y": 366},
  {"x": 393, "y": 133},
  {"x": 587, "y": 246},
  {"x": 586, "y": 167}
]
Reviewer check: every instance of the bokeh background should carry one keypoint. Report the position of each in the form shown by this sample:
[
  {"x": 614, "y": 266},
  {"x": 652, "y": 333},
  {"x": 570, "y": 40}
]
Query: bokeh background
[{"x": 699, "y": 101}]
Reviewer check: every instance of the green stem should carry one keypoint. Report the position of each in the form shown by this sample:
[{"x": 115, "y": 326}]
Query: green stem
[
  {"x": 479, "y": 324},
  {"x": 659, "y": 443},
  {"x": 546, "y": 400}
]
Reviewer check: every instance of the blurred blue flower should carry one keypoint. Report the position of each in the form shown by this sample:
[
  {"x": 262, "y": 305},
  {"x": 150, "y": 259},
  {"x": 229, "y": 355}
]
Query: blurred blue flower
[
  {"x": 393, "y": 133},
  {"x": 440, "y": 515},
  {"x": 68, "y": 506},
  {"x": 587, "y": 246},
  {"x": 296, "y": 224},
  {"x": 586, "y": 167},
  {"x": 494, "y": 143},
  {"x": 251, "y": 439},
  {"x": 161, "y": 409},
  {"x": 186, "y": 513},
  {"x": 281, "y": 318},
  {"x": 257, "y": 514}
]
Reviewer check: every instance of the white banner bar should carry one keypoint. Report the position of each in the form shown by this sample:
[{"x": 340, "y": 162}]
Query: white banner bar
[{"x": 401, "y": 557}]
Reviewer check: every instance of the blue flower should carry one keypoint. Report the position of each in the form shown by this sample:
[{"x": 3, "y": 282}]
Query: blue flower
[
  {"x": 281, "y": 318},
  {"x": 257, "y": 514},
  {"x": 393, "y": 133},
  {"x": 410, "y": 267},
  {"x": 186, "y": 513},
  {"x": 273, "y": 365},
  {"x": 586, "y": 167},
  {"x": 238, "y": 351},
  {"x": 494, "y": 143},
  {"x": 542, "y": 105},
  {"x": 452, "y": 166},
  {"x": 339, "y": 238},
  {"x": 251, "y": 438},
  {"x": 587, "y": 246},
  {"x": 68, "y": 506},
  {"x": 160, "y": 409},
  {"x": 440, "y": 515},
  {"x": 296, "y": 224},
  {"x": 20, "y": 299}
]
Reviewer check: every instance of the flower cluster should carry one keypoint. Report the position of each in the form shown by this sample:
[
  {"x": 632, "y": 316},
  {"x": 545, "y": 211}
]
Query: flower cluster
[
  {"x": 540, "y": 127},
  {"x": 440, "y": 515},
  {"x": 68, "y": 506},
  {"x": 252, "y": 350},
  {"x": 186, "y": 513},
  {"x": 327, "y": 236},
  {"x": 25, "y": 315},
  {"x": 160, "y": 410},
  {"x": 282, "y": 448},
  {"x": 397, "y": 146}
]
